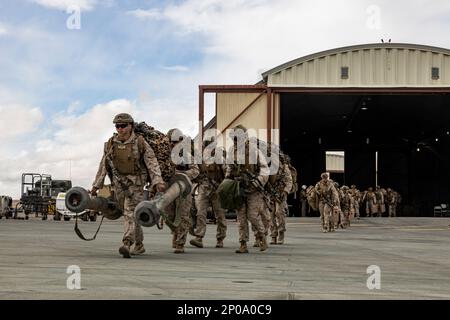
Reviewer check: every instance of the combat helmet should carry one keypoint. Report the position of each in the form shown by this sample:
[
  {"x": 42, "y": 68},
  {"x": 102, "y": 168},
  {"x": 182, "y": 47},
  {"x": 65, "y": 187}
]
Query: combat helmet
[
  {"x": 123, "y": 118},
  {"x": 175, "y": 135},
  {"x": 238, "y": 132}
]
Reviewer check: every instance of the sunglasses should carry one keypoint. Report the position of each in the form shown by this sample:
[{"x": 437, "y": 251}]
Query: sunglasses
[{"x": 121, "y": 125}]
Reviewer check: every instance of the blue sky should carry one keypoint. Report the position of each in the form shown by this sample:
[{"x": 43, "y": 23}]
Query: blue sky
[
  {"x": 60, "y": 88},
  {"x": 105, "y": 59}
]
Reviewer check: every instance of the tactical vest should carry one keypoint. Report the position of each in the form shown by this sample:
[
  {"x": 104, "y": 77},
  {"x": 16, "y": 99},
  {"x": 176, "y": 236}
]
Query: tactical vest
[
  {"x": 276, "y": 180},
  {"x": 346, "y": 202},
  {"x": 126, "y": 156},
  {"x": 378, "y": 196},
  {"x": 238, "y": 168},
  {"x": 325, "y": 191}
]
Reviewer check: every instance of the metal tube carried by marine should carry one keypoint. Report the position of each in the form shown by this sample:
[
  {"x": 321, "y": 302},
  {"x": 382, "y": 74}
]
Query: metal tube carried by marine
[
  {"x": 148, "y": 213},
  {"x": 79, "y": 200}
]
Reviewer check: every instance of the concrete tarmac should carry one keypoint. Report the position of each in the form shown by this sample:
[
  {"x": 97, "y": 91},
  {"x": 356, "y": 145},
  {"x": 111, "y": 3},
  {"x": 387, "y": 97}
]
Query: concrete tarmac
[{"x": 413, "y": 255}]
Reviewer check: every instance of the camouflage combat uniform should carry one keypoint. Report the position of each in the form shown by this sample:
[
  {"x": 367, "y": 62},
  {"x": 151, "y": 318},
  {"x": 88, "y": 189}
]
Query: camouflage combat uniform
[
  {"x": 303, "y": 201},
  {"x": 182, "y": 205},
  {"x": 211, "y": 175},
  {"x": 347, "y": 203},
  {"x": 371, "y": 203},
  {"x": 380, "y": 206},
  {"x": 129, "y": 164},
  {"x": 328, "y": 201},
  {"x": 392, "y": 202},
  {"x": 280, "y": 184},
  {"x": 253, "y": 205},
  {"x": 356, "y": 195}
]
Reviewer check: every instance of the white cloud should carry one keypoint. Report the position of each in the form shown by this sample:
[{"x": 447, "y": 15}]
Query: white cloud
[
  {"x": 17, "y": 120},
  {"x": 72, "y": 149},
  {"x": 245, "y": 36},
  {"x": 73, "y": 145},
  {"x": 146, "y": 14},
  {"x": 64, "y": 4}
]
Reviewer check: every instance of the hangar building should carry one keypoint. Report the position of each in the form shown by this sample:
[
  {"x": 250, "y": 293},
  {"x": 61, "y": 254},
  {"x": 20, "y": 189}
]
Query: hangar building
[{"x": 386, "y": 106}]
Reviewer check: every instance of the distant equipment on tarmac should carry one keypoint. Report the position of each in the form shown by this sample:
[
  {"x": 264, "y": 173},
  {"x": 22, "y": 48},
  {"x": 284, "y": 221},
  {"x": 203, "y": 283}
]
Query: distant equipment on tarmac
[
  {"x": 6, "y": 209},
  {"x": 38, "y": 195}
]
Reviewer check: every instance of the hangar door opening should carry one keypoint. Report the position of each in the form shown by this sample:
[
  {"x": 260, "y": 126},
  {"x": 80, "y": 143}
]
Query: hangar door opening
[{"x": 399, "y": 141}]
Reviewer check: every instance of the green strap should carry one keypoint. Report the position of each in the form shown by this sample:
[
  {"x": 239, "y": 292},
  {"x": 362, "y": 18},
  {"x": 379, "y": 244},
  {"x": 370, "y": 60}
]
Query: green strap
[{"x": 78, "y": 231}]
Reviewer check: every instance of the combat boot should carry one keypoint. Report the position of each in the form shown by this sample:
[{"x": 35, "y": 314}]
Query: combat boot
[
  {"x": 263, "y": 244},
  {"x": 124, "y": 250},
  {"x": 274, "y": 240},
  {"x": 179, "y": 249},
  {"x": 219, "y": 243},
  {"x": 197, "y": 242},
  {"x": 174, "y": 241},
  {"x": 281, "y": 238},
  {"x": 256, "y": 244},
  {"x": 138, "y": 249},
  {"x": 242, "y": 248}
]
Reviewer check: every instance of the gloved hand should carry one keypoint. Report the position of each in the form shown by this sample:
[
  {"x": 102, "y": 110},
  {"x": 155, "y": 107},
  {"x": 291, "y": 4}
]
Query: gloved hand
[
  {"x": 160, "y": 187},
  {"x": 94, "y": 191}
]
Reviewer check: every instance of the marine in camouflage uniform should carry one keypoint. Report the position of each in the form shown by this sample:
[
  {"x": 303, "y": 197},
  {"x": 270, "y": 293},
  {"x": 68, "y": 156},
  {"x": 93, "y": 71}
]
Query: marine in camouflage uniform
[
  {"x": 392, "y": 202},
  {"x": 254, "y": 201},
  {"x": 380, "y": 206},
  {"x": 130, "y": 163},
  {"x": 303, "y": 201},
  {"x": 280, "y": 184},
  {"x": 337, "y": 212},
  {"x": 346, "y": 207},
  {"x": 211, "y": 175},
  {"x": 356, "y": 195},
  {"x": 328, "y": 198},
  {"x": 371, "y": 202},
  {"x": 182, "y": 205}
]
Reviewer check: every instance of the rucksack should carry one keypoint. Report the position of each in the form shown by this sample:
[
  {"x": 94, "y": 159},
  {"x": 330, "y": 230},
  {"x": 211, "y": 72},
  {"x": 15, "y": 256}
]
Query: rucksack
[
  {"x": 293, "y": 171},
  {"x": 312, "y": 197},
  {"x": 160, "y": 144},
  {"x": 230, "y": 194}
]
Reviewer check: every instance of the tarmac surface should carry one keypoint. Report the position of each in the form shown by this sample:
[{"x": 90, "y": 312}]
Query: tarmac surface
[{"x": 413, "y": 255}]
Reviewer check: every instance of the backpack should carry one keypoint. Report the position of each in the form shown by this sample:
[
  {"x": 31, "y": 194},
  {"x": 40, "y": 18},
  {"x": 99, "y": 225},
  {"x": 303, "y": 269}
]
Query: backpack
[
  {"x": 293, "y": 171},
  {"x": 160, "y": 144},
  {"x": 230, "y": 194},
  {"x": 312, "y": 197}
]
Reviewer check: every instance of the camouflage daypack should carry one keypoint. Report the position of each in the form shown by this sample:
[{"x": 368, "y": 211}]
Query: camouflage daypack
[
  {"x": 312, "y": 197},
  {"x": 294, "y": 188},
  {"x": 160, "y": 144}
]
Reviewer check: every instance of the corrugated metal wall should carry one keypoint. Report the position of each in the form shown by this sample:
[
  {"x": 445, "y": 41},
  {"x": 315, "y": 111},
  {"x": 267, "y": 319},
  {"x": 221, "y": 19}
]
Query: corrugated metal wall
[
  {"x": 229, "y": 105},
  {"x": 334, "y": 162},
  {"x": 368, "y": 67}
]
